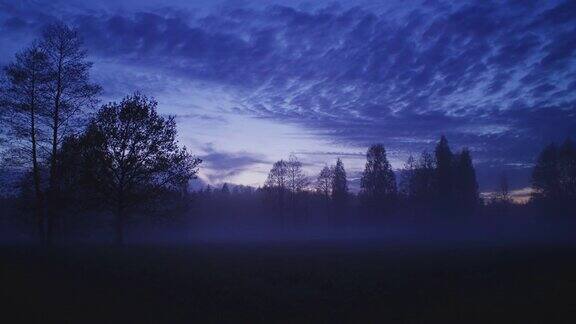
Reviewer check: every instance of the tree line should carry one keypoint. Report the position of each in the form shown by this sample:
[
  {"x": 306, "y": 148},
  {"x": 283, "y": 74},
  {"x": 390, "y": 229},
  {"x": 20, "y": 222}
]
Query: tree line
[
  {"x": 444, "y": 184},
  {"x": 434, "y": 188}
]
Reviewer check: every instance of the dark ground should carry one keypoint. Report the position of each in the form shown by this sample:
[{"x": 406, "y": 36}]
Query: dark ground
[{"x": 366, "y": 282}]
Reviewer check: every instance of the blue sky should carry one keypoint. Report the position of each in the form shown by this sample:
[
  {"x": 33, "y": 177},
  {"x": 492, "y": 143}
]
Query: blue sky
[{"x": 253, "y": 81}]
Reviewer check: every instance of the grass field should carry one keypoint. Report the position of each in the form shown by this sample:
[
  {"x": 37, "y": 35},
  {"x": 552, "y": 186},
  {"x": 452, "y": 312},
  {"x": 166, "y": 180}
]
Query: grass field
[{"x": 369, "y": 282}]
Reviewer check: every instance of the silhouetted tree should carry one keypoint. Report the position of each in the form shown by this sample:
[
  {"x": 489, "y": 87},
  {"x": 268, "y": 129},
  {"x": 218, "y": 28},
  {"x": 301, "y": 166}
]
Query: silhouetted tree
[
  {"x": 69, "y": 93},
  {"x": 554, "y": 178},
  {"x": 129, "y": 153},
  {"x": 406, "y": 185},
  {"x": 277, "y": 183},
  {"x": 378, "y": 182},
  {"x": 420, "y": 184},
  {"x": 324, "y": 182},
  {"x": 501, "y": 199},
  {"x": 76, "y": 195},
  {"x": 24, "y": 96},
  {"x": 546, "y": 176},
  {"x": 225, "y": 190},
  {"x": 425, "y": 182},
  {"x": 567, "y": 171},
  {"x": 465, "y": 184},
  {"x": 339, "y": 185},
  {"x": 444, "y": 174},
  {"x": 504, "y": 190},
  {"x": 278, "y": 175},
  {"x": 297, "y": 180}
]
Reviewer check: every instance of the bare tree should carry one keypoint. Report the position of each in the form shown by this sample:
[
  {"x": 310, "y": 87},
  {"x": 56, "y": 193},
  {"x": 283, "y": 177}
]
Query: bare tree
[
  {"x": 277, "y": 182},
  {"x": 69, "y": 91},
  {"x": 24, "y": 98},
  {"x": 503, "y": 195},
  {"x": 297, "y": 180},
  {"x": 278, "y": 175},
  {"x": 324, "y": 182}
]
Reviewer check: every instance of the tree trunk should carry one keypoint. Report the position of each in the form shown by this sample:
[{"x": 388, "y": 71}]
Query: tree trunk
[
  {"x": 35, "y": 168},
  {"x": 53, "y": 171},
  {"x": 119, "y": 226},
  {"x": 36, "y": 176}
]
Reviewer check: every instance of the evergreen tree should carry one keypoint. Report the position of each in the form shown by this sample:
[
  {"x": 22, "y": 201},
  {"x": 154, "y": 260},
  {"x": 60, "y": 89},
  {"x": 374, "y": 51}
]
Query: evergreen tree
[
  {"x": 339, "y": 184},
  {"x": 444, "y": 163},
  {"x": 225, "y": 190},
  {"x": 465, "y": 184},
  {"x": 378, "y": 182},
  {"x": 444, "y": 176}
]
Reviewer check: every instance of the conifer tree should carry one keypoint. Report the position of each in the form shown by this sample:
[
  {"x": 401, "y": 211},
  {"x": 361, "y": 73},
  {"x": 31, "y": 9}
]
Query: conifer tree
[
  {"x": 378, "y": 182},
  {"x": 465, "y": 183},
  {"x": 339, "y": 184}
]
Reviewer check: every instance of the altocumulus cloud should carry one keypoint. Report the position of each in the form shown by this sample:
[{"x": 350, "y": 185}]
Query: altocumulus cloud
[{"x": 498, "y": 76}]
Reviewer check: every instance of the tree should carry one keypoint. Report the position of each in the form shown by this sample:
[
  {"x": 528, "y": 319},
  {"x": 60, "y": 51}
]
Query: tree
[
  {"x": 378, "y": 182},
  {"x": 554, "y": 178},
  {"x": 546, "y": 176},
  {"x": 225, "y": 191},
  {"x": 465, "y": 184},
  {"x": 567, "y": 170},
  {"x": 417, "y": 183},
  {"x": 503, "y": 195},
  {"x": 129, "y": 153},
  {"x": 24, "y": 96},
  {"x": 277, "y": 182},
  {"x": 324, "y": 182},
  {"x": 501, "y": 199},
  {"x": 69, "y": 93},
  {"x": 339, "y": 184},
  {"x": 296, "y": 179},
  {"x": 407, "y": 178},
  {"x": 444, "y": 173},
  {"x": 425, "y": 179},
  {"x": 278, "y": 175}
]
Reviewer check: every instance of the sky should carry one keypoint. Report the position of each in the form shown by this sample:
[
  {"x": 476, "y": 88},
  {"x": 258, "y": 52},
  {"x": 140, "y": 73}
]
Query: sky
[{"x": 251, "y": 82}]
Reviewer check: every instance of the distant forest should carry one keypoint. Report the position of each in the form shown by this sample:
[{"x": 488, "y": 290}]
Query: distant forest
[{"x": 82, "y": 167}]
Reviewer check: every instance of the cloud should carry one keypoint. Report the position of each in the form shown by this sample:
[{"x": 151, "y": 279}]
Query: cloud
[
  {"x": 224, "y": 165},
  {"x": 496, "y": 76}
]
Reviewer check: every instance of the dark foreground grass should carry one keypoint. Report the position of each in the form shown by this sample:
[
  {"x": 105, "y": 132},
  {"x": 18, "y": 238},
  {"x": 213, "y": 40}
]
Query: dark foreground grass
[{"x": 292, "y": 283}]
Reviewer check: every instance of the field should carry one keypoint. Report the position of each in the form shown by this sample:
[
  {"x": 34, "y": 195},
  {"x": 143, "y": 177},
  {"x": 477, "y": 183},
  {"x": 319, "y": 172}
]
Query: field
[{"x": 299, "y": 282}]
